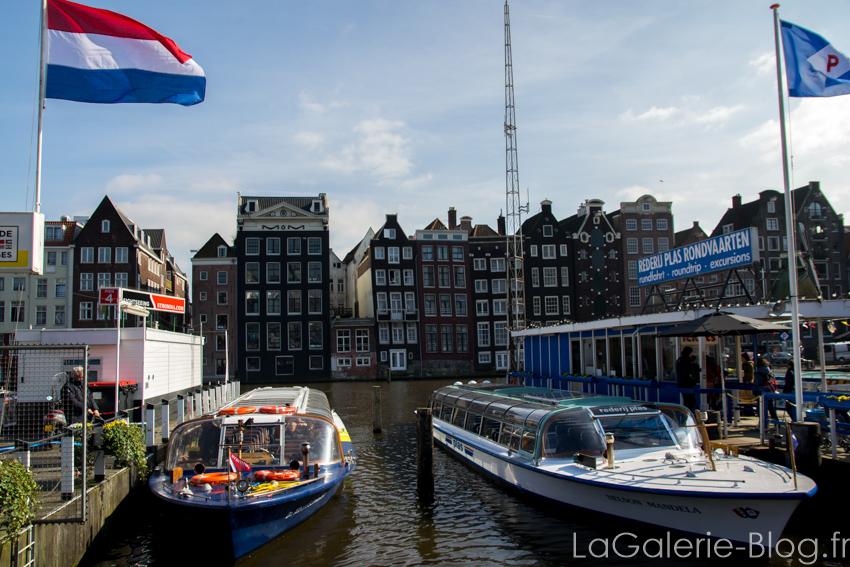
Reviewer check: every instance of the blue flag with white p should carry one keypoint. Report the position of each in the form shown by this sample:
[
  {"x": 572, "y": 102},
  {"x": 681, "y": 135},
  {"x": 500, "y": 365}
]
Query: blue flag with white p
[{"x": 813, "y": 67}]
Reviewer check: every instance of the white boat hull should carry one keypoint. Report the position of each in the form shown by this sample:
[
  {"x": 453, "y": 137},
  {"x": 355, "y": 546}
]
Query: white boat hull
[{"x": 718, "y": 505}]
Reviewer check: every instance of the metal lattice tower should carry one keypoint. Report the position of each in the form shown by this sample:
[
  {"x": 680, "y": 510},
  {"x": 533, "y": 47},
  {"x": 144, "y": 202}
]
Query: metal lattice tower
[{"x": 513, "y": 224}]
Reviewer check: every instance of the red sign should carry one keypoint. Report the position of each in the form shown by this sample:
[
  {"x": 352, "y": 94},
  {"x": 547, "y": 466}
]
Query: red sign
[
  {"x": 109, "y": 296},
  {"x": 146, "y": 300}
]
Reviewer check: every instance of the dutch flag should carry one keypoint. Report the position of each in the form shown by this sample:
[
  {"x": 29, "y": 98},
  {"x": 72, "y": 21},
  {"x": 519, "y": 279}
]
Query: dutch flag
[{"x": 101, "y": 56}]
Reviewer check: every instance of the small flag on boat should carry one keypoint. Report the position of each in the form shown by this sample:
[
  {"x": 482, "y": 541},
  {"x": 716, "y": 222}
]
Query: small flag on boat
[
  {"x": 794, "y": 441},
  {"x": 813, "y": 67},
  {"x": 238, "y": 465},
  {"x": 101, "y": 56}
]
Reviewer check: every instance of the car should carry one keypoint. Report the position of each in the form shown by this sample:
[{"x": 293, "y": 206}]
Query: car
[{"x": 779, "y": 357}]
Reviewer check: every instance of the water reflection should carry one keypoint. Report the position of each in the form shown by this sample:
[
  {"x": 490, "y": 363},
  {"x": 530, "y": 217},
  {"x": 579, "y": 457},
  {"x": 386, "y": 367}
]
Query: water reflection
[{"x": 378, "y": 518}]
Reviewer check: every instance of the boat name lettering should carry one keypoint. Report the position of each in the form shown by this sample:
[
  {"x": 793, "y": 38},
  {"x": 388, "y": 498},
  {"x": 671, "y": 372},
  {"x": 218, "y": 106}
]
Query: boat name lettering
[
  {"x": 624, "y": 500},
  {"x": 304, "y": 507},
  {"x": 606, "y": 410},
  {"x": 457, "y": 445},
  {"x": 674, "y": 508}
]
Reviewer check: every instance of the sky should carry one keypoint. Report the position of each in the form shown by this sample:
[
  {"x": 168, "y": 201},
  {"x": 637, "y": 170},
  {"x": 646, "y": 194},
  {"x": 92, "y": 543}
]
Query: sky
[{"x": 399, "y": 107}]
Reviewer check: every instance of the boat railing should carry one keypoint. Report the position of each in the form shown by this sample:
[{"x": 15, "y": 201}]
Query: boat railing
[{"x": 261, "y": 494}]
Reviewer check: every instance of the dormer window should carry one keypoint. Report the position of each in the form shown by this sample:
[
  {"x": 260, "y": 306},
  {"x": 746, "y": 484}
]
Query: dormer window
[
  {"x": 104, "y": 226},
  {"x": 645, "y": 207},
  {"x": 222, "y": 251},
  {"x": 771, "y": 206},
  {"x": 251, "y": 207},
  {"x": 317, "y": 207}
]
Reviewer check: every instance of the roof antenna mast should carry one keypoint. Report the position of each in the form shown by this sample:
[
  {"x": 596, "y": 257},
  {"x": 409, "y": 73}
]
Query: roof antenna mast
[{"x": 516, "y": 307}]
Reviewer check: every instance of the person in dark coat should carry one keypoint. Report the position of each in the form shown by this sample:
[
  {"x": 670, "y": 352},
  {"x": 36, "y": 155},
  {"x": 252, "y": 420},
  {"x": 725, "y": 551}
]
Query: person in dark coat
[
  {"x": 788, "y": 388},
  {"x": 685, "y": 376},
  {"x": 74, "y": 403},
  {"x": 764, "y": 379}
]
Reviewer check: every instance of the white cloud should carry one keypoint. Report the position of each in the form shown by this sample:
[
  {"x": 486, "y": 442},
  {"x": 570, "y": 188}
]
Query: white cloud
[
  {"x": 132, "y": 182},
  {"x": 653, "y": 113},
  {"x": 717, "y": 114},
  {"x": 765, "y": 64},
  {"x": 383, "y": 150}
]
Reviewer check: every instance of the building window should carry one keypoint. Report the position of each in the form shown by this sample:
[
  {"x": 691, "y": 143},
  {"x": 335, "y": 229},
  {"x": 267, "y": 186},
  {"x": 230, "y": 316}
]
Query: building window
[
  {"x": 648, "y": 246},
  {"x": 459, "y": 276},
  {"x": 60, "y": 288},
  {"x": 445, "y": 305},
  {"x": 550, "y": 304},
  {"x": 59, "y": 315},
  {"x": 533, "y": 251},
  {"x": 273, "y": 336},
  {"x": 314, "y": 246},
  {"x": 273, "y": 272},
  {"x": 565, "y": 276},
  {"x": 383, "y": 333},
  {"x": 407, "y": 253},
  {"x": 294, "y": 335},
  {"x": 446, "y": 338},
  {"x": 202, "y": 276},
  {"x": 633, "y": 269},
  {"x": 293, "y": 272},
  {"x": 428, "y": 252},
  {"x": 430, "y": 304},
  {"x": 408, "y": 277},
  {"x": 104, "y": 255},
  {"x": 392, "y": 255},
  {"x": 500, "y": 334},
  {"x": 314, "y": 301},
  {"x": 41, "y": 315},
  {"x": 462, "y": 336},
  {"x": 252, "y": 302},
  {"x": 252, "y": 246},
  {"x": 631, "y": 245},
  {"x": 284, "y": 365},
  {"x": 634, "y": 296},
  {"x": 221, "y": 278},
  {"x": 361, "y": 340},
  {"x": 772, "y": 224},
  {"x": 497, "y": 264},
  {"x": 479, "y": 263},
  {"x": 771, "y": 206},
  {"x": 481, "y": 286},
  {"x": 104, "y": 280},
  {"x": 499, "y": 286},
  {"x": 252, "y": 364},
  {"x": 646, "y": 224},
  {"x": 773, "y": 243},
  {"x": 457, "y": 253},
  {"x": 460, "y": 305},
  {"x": 535, "y": 306},
  {"x": 343, "y": 340},
  {"x": 221, "y": 251},
  {"x": 202, "y": 296},
  {"x": 482, "y": 307},
  {"x": 548, "y": 251},
  {"x": 428, "y": 276},
  {"x": 631, "y": 224},
  {"x": 380, "y": 253},
  {"x": 86, "y": 310},
  {"x": 663, "y": 244},
  {"x": 500, "y": 307},
  {"x": 483, "y": 358},
  {"x": 314, "y": 272},
  {"x": 550, "y": 277},
  {"x": 293, "y": 245},
  {"x": 272, "y": 247},
  {"x": 315, "y": 334},
  {"x": 566, "y": 304},
  {"x": 442, "y": 252},
  {"x": 252, "y": 272},
  {"x": 272, "y": 301},
  {"x": 293, "y": 304},
  {"x": 41, "y": 288},
  {"x": 661, "y": 224},
  {"x": 563, "y": 250},
  {"x": 104, "y": 226},
  {"x": 87, "y": 255},
  {"x": 430, "y": 338},
  {"x": 483, "y": 334},
  {"x": 547, "y": 230}
]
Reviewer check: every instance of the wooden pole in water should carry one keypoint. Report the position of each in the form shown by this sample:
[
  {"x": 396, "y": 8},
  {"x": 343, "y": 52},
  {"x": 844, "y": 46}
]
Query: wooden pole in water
[
  {"x": 424, "y": 450},
  {"x": 376, "y": 409}
]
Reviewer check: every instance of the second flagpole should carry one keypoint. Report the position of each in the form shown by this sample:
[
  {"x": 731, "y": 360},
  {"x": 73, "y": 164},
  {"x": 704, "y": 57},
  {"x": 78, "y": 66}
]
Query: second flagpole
[{"x": 789, "y": 224}]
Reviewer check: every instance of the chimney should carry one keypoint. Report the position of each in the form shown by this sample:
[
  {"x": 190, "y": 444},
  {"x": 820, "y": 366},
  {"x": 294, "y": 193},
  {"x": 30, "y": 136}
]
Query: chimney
[
  {"x": 736, "y": 201},
  {"x": 501, "y": 224},
  {"x": 466, "y": 223},
  {"x": 452, "y": 218}
]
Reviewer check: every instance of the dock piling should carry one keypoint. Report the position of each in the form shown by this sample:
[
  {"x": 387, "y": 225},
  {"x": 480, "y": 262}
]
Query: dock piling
[
  {"x": 424, "y": 451},
  {"x": 376, "y": 409}
]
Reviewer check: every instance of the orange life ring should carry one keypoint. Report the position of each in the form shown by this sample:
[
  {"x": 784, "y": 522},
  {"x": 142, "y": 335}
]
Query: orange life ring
[
  {"x": 237, "y": 411},
  {"x": 289, "y": 475},
  {"x": 277, "y": 409},
  {"x": 213, "y": 478}
]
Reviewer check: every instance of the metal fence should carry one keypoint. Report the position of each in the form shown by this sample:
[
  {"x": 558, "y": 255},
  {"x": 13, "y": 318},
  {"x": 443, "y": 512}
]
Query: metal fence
[{"x": 35, "y": 424}]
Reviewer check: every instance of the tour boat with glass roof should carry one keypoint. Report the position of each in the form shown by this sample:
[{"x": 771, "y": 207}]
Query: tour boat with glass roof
[
  {"x": 646, "y": 462},
  {"x": 257, "y": 467}
]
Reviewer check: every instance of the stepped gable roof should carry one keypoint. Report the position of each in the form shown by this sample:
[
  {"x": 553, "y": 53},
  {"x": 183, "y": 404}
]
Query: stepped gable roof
[
  {"x": 210, "y": 249},
  {"x": 482, "y": 230}
]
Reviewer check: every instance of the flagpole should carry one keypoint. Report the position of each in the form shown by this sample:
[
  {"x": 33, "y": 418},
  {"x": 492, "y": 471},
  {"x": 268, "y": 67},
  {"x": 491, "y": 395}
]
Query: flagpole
[
  {"x": 789, "y": 226},
  {"x": 42, "y": 86}
]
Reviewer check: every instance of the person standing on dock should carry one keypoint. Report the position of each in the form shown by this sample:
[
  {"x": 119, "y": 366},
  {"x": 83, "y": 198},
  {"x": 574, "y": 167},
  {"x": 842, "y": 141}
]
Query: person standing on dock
[
  {"x": 74, "y": 403},
  {"x": 685, "y": 376},
  {"x": 788, "y": 388}
]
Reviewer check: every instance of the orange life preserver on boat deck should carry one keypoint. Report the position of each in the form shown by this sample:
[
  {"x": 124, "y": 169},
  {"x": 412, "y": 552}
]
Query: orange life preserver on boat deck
[
  {"x": 237, "y": 411},
  {"x": 277, "y": 409},
  {"x": 213, "y": 478},
  {"x": 277, "y": 475}
]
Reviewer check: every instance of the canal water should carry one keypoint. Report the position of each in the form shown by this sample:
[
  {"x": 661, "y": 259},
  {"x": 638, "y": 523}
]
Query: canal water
[{"x": 380, "y": 519}]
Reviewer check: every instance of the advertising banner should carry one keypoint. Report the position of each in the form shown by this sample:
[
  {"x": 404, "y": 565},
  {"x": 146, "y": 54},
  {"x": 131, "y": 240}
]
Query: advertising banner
[
  {"x": 734, "y": 250},
  {"x": 147, "y": 300},
  {"x": 22, "y": 242}
]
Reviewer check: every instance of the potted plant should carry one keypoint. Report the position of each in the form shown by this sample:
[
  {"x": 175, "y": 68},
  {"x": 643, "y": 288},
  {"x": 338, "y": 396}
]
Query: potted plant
[
  {"x": 127, "y": 444},
  {"x": 18, "y": 496}
]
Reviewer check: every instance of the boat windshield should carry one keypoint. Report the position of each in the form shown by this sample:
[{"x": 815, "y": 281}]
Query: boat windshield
[
  {"x": 208, "y": 441},
  {"x": 638, "y": 431}
]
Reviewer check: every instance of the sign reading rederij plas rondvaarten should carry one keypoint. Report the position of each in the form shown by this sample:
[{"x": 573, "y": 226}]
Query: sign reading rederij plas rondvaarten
[
  {"x": 21, "y": 242},
  {"x": 733, "y": 250}
]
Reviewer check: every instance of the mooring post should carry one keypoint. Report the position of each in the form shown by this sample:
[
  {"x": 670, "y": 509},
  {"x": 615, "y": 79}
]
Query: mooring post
[
  {"x": 181, "y": 409},
  {"x": 376, "y": 409},
  {"x": 150, "y": 425},
  {"x": 424, "y": 450},
  {"x": 99, "y": 460},
  {"x": 165, "y": 414}
]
